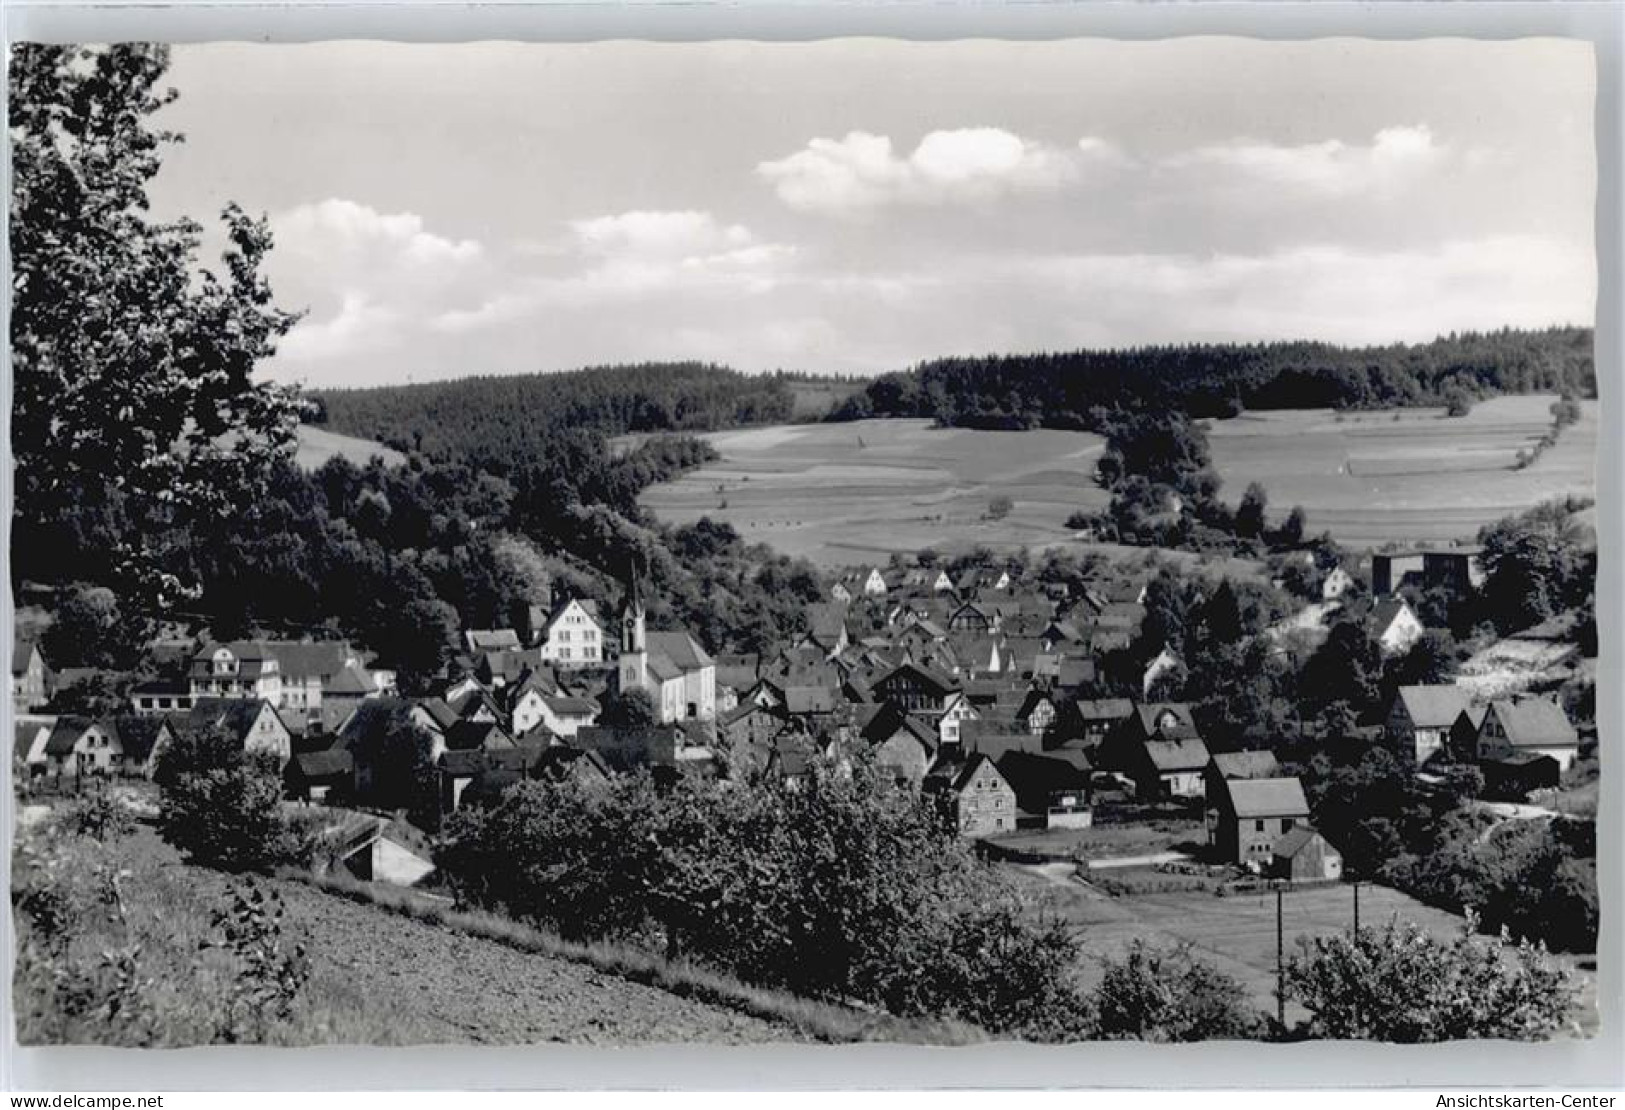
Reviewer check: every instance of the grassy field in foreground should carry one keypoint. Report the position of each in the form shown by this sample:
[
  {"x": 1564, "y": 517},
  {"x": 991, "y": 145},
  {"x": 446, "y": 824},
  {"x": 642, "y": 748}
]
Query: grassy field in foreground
[
  {"x": 844, "y": 494},
  {"x": 1236, "y": 933},
  {"x": 1407, "y": 475},
  {"x": 317, "y": 445}
]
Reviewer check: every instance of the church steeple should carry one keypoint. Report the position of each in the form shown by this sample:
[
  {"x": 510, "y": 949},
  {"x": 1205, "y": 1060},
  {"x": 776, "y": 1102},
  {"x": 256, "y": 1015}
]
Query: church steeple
[{"x": 634, "y": 651}]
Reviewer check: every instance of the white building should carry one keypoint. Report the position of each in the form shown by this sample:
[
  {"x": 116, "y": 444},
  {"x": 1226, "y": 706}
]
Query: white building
[
  {"x": 675, "y": 671},
  {"x": 572, "y": 636}
]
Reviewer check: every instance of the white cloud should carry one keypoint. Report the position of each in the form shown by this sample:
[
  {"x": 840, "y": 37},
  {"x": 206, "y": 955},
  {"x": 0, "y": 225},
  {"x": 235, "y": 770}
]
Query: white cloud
[
  {"x": 365, "y": 275},
  {"x": 863, "y": 172},
  {"x": 1394, "y": 157},
  {"x": 660, "y": 234}
]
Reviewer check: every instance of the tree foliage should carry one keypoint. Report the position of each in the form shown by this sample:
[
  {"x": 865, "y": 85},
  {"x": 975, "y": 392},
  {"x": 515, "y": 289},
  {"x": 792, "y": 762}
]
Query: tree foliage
[
  {"x": 131, "y": 364},
  {"x": 1168, "y": 995},
  {"x": 1399, "y": 983},
  {"x": 868, "y": 877},
  {"x": 221, "y": 805}
]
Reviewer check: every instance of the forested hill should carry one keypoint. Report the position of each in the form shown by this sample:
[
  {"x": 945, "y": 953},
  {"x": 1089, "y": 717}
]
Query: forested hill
[
  {"x": 1078, "y": 389},
  {"x": 502, "y": 421}
]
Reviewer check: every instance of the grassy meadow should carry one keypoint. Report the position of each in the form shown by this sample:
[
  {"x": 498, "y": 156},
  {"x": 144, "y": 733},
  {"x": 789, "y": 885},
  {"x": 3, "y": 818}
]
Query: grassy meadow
[
  {"x": 1405, "y": 475},
  {"x": 317, "y": 445},
  {"x": 849, "y": 493}
]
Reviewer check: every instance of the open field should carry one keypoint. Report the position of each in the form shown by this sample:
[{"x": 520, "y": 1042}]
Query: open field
[
  {"x": 1236, "y": 933},
  {"x": 850, "y": 493},
  {"x": 317, "y": 445},
  {"x": 843, "y": 494},
  {"x": 1407, "y": 475}
]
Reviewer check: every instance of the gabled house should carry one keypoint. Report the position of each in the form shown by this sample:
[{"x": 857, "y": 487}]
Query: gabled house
[
  {"x": 315, "y": 776},
  {"x": 79, "y": 746},
  {"x": 982, "y": 802},
  {"x": 1249, "y": 817},
  {"x": 1167, "y": 768},
  {"x": 1420, "y": 720},
  {"x": 1037, "y": 711},
  {"x": 572, "y": 635},
  {"x": 903, "y": 744},
  {"x": 28, "y": 754},
  {"x": 1052, "y": 788},
  {"x": 1239, "y": 765},
  {"x": 481, "y": 640},
  {"x": 256, "y": 725},
  {"x": 30, "y": 675},
  {"x": 1395, "y": 628},
  {"x": 240, "y": 669},
  {"x": 973, "y": 617},
  {"x": 1089, "y": 722},
  {"x": 1336, "y": 583},
  {"x": 1304, "y": 856},
  {"x": 913, "y": 686},
  {"x": 1518, "y": 729}
]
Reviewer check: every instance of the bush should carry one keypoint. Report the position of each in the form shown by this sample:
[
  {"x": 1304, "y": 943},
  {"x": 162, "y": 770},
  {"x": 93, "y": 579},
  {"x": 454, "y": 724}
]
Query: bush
[
  {"x": 1169, "y": 995},
  {"x": 842, "y": 887},
  {"x": 1401, "y": 984},
  {"x": 96, "y": 815},
  {"x": 223, "y": 806}
]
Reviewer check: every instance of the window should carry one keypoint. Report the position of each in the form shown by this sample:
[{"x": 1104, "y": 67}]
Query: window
[
  {"x": 1258, "y": 826},
  {"x": 1286, "y": 825}
]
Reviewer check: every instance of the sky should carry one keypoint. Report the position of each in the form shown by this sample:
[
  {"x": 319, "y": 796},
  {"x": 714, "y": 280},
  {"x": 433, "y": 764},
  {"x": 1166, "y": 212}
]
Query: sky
[{"x": 859, "y": 205}]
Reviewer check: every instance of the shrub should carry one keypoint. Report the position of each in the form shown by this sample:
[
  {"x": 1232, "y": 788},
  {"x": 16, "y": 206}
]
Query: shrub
[
  {"x": 844, "y": 886},
  {"x": 222, "y": 806},
  {"x": 1169, "y": 995},
  {"x": 270, "y": 974},
  {"x": 97, "y": 815},
  {"x": 1401, "y": 984}
]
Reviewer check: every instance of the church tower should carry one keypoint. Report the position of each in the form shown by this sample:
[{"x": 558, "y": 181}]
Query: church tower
[{"x": 634, "y": 667}]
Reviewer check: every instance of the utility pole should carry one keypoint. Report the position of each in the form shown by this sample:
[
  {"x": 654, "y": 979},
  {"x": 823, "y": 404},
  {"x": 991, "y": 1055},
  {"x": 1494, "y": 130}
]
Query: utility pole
[{"x": 1280, "y": 964}]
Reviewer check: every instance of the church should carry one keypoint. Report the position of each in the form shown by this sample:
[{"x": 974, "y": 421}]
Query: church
[{"x": 675, "y": 670}]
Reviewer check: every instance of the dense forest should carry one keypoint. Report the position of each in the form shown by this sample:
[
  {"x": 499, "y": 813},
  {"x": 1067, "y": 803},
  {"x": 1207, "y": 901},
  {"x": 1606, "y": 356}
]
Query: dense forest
[
  {"x": 499, "y": 422},
  {"x": 1079, "y": 389}
]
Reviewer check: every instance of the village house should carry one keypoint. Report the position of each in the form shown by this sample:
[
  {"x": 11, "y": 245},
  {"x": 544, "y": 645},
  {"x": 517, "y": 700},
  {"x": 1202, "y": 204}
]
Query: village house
[
  {"x": 671, "y": 667},
  {"x": 28, "y": 748},
  {"x": 1391, "y": 569},
  {"x": 572, "y": 636},
  {"x": 1239, "y": 765},
  {"x": 241, "y": 669},
  {"x": 1167, "y": 768},
  {"x": 480, "y": 640},
  {"x": 1053, "y": 789},
  {"x": 1420, "y": 719},
  {"x": 1394, "y": 626},
  {"x": 157, "y": 697},
  {"x": 1519, "y": 729},
  {"x": 1336, "y": 583},
  {"x": 30, "y": 676},
  {"x": 1249, "y": 817},
  {"x": 903, "y": 745},
  {"x": 80, "y": 747},
  {"x": 257, "y": 726},
  {"x": 1304, "y": 856},
  {"x": 1088, "y": 722},
  {"x": 983, "y": 802},
  {"x": 316, "y": 776}
]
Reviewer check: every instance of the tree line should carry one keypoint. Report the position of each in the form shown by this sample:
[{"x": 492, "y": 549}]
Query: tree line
[{"x": 1080, "y": 389}]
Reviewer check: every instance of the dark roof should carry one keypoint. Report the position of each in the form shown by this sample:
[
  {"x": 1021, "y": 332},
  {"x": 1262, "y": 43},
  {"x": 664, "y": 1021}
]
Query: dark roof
[
  {"x": 971, "y": 768},
  {"x": 491, "y": 639},
  {"x": 66, "y": 734},
  {"x": 673, "y": 654},
  {"x": 26, "y": 732},
  {"x": 351, "y": 680},
  {"x": 301, "y": 659},
  {"x": 467, "y": 735},
  {"x": 1187, "y": 754},
  {"x": 1536, "y": 723},
  {"x": 1433, "y": 706},
  {"x": 1295, "y": 841},
  {"x": 439, "y": 712},
  {"x": 21, "y": 650},
  {"x": 235, "y": 716},
  {"x": 1281, "y": 797},
  {"x": 1246, "y": 765},
  {"x": 933, "y": 680},
  {"x": 1034, "y": 777},
  {"x": 1384, "y": 612},
  {"x": 326, "y": 764},
  {"x": 1104, "y": 709},
  {"x": 811, "y": 699}
]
